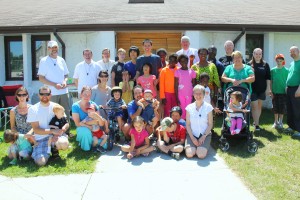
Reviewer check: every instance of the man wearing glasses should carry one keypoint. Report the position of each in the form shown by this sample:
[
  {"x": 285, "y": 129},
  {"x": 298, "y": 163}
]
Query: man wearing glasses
[
  {"x": 39, "y": 116},
  {"x": 53, "y": 72}
]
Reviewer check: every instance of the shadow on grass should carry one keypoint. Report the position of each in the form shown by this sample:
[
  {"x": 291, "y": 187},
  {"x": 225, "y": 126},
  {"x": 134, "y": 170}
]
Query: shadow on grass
[
  {"x": 78, "y": 154},
  {"x": 271, "y": 136}
]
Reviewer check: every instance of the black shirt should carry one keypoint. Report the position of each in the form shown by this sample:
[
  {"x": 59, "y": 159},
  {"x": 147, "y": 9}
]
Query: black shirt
[
  {"x": 262, "y": 74},
  {"x": 58, "y": 122},
  {"x": 118, "y": 68}
]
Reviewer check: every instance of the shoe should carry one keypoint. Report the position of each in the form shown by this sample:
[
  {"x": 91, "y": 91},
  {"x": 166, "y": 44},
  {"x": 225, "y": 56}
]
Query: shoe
[
  {"x": 145, "y": 154},
  {"x": 257, "y": 128},
  {"x": 233, "y": 132},
  {"x": 275, "y": 125},
  {"x": 101, "y": 149},
  {"x": 14, "y": 161},
  {"x": 55, "y": 154},
  {"x": 280, "y": 125},
  {"x": 296, "y": 135},
  {"x": 94, "y": 149},
  {"x": 175, "y": 155},
  {"x": 288, "y": 130}
]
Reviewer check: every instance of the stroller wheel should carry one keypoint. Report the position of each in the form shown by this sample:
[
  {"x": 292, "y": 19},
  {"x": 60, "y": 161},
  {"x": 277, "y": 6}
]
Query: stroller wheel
[
  {"x": 224, "y": 146},
  {"x": 252, "y": 147}
]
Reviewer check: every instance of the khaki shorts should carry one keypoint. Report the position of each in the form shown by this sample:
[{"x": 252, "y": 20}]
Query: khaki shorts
[{"x": 206, "y": 144}]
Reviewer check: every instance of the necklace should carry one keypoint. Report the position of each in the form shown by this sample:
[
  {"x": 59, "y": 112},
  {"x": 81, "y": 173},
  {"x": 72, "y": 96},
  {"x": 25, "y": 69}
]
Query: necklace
[
  {"x": 89, "y": 67},
  {"x": 52, "y": 59}
]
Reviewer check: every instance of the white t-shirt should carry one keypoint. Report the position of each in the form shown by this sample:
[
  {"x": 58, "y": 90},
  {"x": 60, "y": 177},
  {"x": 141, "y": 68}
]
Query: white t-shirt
[
  {"x": 199, "y": 119},
  {"x": 207, "y": 98},
  {"x": 54, "y": 70},
  {"x": 86, "y": 74},
  {"x": 107, "y": 67},
  {"x": 41, "y": 114},
  {"x": 190, "y": 51}
]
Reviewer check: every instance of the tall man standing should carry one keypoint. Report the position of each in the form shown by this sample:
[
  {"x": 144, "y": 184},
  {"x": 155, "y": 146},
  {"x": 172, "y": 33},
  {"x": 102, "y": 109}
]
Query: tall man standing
[
  {"x": 86, "y": 72},
  {"x": 53, "y": 72},
  {"x": 186, "y": 50},
  {"x": 293, "y": 94},
  {"x": 148, "y": 57}
]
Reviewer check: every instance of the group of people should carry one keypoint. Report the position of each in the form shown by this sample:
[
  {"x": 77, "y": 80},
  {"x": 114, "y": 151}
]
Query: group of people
[{"x": 172, "y": 100}]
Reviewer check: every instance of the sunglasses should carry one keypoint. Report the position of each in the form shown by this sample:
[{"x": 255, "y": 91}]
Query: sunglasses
[
  {"x": 45, "y": 94},
  {"x": 21, "y": 95},
  {"x": 103, "y": 76}
]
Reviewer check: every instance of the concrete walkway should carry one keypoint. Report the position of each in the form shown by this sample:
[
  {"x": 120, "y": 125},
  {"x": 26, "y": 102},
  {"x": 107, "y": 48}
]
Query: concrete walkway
[{"x": 155, "y": 177}]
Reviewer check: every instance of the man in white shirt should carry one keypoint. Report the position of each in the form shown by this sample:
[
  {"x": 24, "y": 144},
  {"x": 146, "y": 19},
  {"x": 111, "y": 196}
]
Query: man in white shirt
[
  {"x": 86, "y": 72},
  {"x": 106, "y": 64},
  {"x": 39, "y": 116},
  {"x": 190, "y": 52},
  {"x": 53, "y": 72}
]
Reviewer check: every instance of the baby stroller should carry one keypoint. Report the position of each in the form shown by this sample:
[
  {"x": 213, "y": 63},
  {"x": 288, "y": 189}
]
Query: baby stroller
[{"x": 245, "y": 131}]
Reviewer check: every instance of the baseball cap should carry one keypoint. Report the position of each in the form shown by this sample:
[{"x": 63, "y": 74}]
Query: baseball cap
[
  {"x": 148, "y": 91},
  {"x": 52, "y": 43},
  {"x": 279, "y": 56},
  {"x": 91, "y": 107},
  {"x": 165, "y": 123}
]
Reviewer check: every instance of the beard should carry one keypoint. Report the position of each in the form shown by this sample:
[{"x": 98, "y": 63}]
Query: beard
[{"x": 45, "y": 100}]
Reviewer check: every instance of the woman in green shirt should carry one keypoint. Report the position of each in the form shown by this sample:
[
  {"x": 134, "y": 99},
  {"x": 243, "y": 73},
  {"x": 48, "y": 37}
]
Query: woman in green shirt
[{"x": 238, "y": 73}]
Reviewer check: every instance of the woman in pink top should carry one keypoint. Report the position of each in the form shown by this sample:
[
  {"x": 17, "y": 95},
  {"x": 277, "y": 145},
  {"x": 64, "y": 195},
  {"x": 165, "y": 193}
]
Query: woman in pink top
[
  {"x": 140, "y": 143},
  {"x": 185, "y": 79},
  {"x": 148, "y": 81}
]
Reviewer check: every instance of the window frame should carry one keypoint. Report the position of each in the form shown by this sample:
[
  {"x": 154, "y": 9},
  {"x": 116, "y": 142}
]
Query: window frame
[
  {"x": 260, "y": 38},
  {"x": 35, "y": 38},
  {"x": 7, "y": 40}
]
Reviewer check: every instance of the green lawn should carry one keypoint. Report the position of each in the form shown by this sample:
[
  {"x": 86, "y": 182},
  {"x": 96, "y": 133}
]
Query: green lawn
[
  {"x": 272, "y": 173},
  {"x": 74, "y": 160}
]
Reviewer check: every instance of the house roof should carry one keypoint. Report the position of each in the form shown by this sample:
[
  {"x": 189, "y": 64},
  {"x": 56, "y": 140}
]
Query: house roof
[{"x": 80, "y": 15}]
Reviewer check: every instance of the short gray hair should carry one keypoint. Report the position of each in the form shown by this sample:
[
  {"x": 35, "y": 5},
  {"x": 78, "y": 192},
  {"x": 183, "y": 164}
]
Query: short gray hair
[{"x": 200, "y": 88}]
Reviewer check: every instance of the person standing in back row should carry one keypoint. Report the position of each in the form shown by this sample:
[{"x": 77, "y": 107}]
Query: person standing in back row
[
  {"x": 148, "y": 57},
  {"x": 191, "y": 53},
  {"x": 53, "y": 72},
  {"x": 106, "y": 64},
  {"x": 293, "y": 94}
]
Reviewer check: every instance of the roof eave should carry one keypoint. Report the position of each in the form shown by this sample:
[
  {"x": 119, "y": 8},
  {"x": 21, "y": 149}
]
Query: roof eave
[{"x": 132, "y": 27}]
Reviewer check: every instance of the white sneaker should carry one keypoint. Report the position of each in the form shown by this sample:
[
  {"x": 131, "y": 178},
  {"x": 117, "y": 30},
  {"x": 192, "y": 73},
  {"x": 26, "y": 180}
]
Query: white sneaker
[{"x": 275, "y": 125}]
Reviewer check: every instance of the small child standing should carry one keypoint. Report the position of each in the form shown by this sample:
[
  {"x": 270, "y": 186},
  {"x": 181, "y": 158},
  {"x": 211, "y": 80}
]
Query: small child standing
[
  {"x": 185, "y": 79},
  {"x": 236, "y": 119},
  {"x": 167, "y": 85},
  {"x": 140, "y": 143},
  {"x": 99, "y": 127},
  {"x": 118, "y": 68},
  {"x": 150, "y": 113},
  {"x": 147, "y": 80},
  {"x": 279, "y": 76},
  {"x": 19, "y": 146},
  {"x": 116, "y": 102},
  {"x": 59, "y": 121},
  {"x": 127, "y": 86}
]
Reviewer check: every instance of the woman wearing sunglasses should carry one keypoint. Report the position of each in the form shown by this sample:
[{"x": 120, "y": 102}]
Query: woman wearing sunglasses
[{"x": 18, "y": 115}]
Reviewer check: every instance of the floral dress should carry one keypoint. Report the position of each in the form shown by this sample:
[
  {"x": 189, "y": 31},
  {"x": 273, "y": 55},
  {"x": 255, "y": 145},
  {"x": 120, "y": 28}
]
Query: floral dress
[{"x": 21, "y": 125}]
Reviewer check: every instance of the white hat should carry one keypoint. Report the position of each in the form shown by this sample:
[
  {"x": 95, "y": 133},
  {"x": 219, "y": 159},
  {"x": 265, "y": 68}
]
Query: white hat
[{"x": 52, "y": 44}]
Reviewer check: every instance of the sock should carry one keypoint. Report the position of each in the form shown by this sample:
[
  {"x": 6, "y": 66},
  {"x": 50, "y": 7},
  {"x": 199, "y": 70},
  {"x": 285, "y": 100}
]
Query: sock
[{"x": 237, "y": 131}]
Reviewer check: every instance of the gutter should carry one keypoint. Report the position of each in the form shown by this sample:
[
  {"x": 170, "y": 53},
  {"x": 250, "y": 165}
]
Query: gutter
[
  {"x": 239, "y": 36},
  {"x": 63, "y": 45}
]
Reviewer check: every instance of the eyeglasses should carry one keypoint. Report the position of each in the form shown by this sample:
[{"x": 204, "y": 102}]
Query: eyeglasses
[
  {"x": 103, "y": 76},
  {"x": 21, "y": 95},
  {"x": 45, "y": 94}
]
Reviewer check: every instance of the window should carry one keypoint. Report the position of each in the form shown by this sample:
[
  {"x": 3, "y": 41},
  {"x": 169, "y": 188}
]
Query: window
[
  {"x": 253, "y": 41},
  {"x": 38, "y": 51},
  {"x": 13, "y": 58}
]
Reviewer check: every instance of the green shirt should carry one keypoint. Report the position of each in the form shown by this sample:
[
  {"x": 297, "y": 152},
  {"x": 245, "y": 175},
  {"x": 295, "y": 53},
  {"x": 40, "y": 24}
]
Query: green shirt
[
  {"x": 212, "y": 71},
  {"x": 293, "y": 78},
  {"x": 241, "y": 74},
  {"x": 278, "y": 78},
  {"x": 23, "y": 144}
]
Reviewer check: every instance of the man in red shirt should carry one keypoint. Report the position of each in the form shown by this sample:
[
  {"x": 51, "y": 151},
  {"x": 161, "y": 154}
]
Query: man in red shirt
[{"x": 171, "y": 137}]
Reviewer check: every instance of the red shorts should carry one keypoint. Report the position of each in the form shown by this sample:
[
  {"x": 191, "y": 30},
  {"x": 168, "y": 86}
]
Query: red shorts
[{"x": 98, "y": 134}]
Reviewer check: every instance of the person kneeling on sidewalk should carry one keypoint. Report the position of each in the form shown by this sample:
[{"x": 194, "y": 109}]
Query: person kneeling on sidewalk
[{"x": 171, "y": 137}]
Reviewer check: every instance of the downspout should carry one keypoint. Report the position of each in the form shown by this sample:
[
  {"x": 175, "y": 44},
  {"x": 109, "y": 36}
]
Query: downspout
[
  {"x": 239, "y": 36},
  {"x": 63, "y": 45}
]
